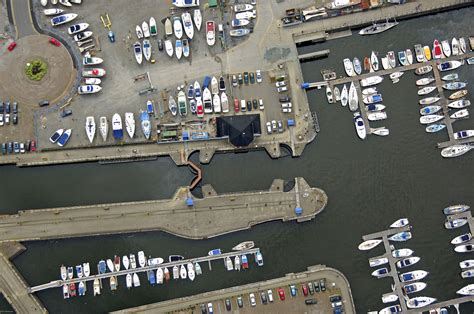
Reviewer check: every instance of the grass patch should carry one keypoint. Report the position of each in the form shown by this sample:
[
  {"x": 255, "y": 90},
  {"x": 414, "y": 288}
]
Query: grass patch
[{"x": 36, "y": 70}]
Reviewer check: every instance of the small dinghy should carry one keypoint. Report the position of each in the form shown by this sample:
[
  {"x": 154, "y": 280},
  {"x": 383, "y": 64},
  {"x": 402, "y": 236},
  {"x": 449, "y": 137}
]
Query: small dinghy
[
  {"x": 409, "y": 261},
  {"x": 168, "y": 27},
  {"x": 462, "y": 238},
  {"x": 369, "y": 244},
  {"x": 455, "y": 223}
]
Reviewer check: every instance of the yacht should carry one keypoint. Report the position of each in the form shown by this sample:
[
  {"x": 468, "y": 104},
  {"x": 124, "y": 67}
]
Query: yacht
[
  {"x": 463, "y": 134},
  {"x": 141, "y": 259},
  {"x": 431, "y": 118},
  {"x": 378, "y": 28},
  {"x": 467, "y": 290},
  {"x": 455, "y": 223},
  {"x": 353, "y": 98},
  {"x": 401, "y": 236},
  {"x": 418, "y": 302},
  {"x": 380, "y": 273},
  {"x": 130, "y": 123},
  {"x": 464, "y": 248},
  {"x": 414, "y": 287},
  {"x": 362, "y": 133},
  {"x": 469, "y": 263},
  {"x": 90, "y": 128},
  {"x": 344, "y": 96},
  {"x": 145, "y": 123},
  {"x": 409, "y": 261},
  {"x": 374, "y": 262},
  {"x": 413, "y": 275},
  {"x": 462, "y": 238}
]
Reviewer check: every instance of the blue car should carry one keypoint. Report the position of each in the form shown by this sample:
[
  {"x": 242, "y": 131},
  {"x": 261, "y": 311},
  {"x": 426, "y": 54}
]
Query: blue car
[
  {"x": 293, "y": 290},
  {"x": 16, "y": 147}
]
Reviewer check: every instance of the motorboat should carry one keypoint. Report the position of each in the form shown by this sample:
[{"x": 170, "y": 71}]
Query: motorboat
[
  {"x": 409, "y": 56},
  {"x": 207, "y": 101},
  {"x": 389, "y": 298},
  {"x": 402, "y": 57},
  {"x": 63, "y": 19},
  {"x": 228, "y": 263},
  {"x": 237, "y": 263},
  {"x": 199, "y": 108},
  {"x": 409, "y": 261},
  {"x": 462, "y": 45},
  {"x": 455, "y": 209},
  {"x": 466, "y": 237},
  {"x": 56, "y": 135},
  {"x": 380, "y": 131},
  {"x": 247, "y": 15},
  {"x": 155, "y": 261},
  {"x": 186, "y": 49},
  {"x": 117, "y": 126},
  {"x": 44, "y": 3},
  {"x": 65, "y": 3},
  {"x": 168, "y": 27},
  {"x": 373, "y": 99},
  {"x": 437, "y": 51},
  {"x": 110, "y": 265},
  {"x": 430, "y": 110},
  {"x": 82, "y": 36},
  {"x": 146, "y": 30},
  {"x": 141, "y": 259},
  {"x": 446, "y": 48},
  {"x": 348, "y": 67},
  {"x": 391, "y": 309},
  {"x": 175, "y": 272},
  {"x": 239, "y": 23},
  {"x": 259, "y": 258},
  {"x": 166, "y": 274},
  {"x": 449, "y": 65},
  {"x": 455, "y": 223},
  {"x": 378, "y": 28},
  {"x": 90, "y": 128},
  {"x": 413, "y": 275},
  {"x": 455, "y": 46},
  {"x": 344, "y": 96},
  {"x": 431, "y": 118},
  {"x": 337, "y": 94},
  {"x": 64, "y": 138},
  {"x": 197, "y": 18},
  {"x": 353, "y": 98},
  {"x": 380, "y": 273},
  {"x": 103, "y": 127},
  {"x": 424, "y": 81},
  {"x": 172, "y": 106},
  {"x": 418, "y": 302},
  {"x": 214, "y": 85},
  {"x": 77, "y": 28},
  {"x": 424, "y": 70},
  {"x": 402, "y": 253},
  {"x": 92, "y": 81},
  {"x": 456, "y": 150},
  {"x": 96, "y": 286},
  {"x": 182, "y": 104},
  {"x": 463, "y": 113},
  {"x": 464, "y": 248},
  {"x": 153, "y": 28},
  {"x": 159, "y": 276},
  {"x": 370, "y": 81},
  {"x": 178, "y": 48},
  {"x": 177, "y": 27},
  {"x": 369, "y": 244},
  {"x": 374, "y": 61},
  {"x": 377, "y": 116},
  {"x": 402, "y": 222},
  {"x": 197, "y": 90},
  {"x": 458, "y": 104},
  {"x": 136, "y": 280},
  {"x": 429, "y": 100},
  {"x": 125, "y": 262},
  {"x": 210, "y": 33},
  {"x": 240, "y": 32},
  {"x": 49, "y": 12},
  {"x": 450, "y": 77},
  {"x": 458, "y": 94},
  {"x": 197, "y": 268},
  {"x": 367, "y": 65},
  {"x": 427, "y": 52},
  {"x": 63, "y": 271},
  {"x": 362, "y": 133},
  {"x": 224, "y": 103},
  {"x": 147, "y": 49},
  {"x": 244, "y": 261},
  {"x": 454, "y": 85},
  {"x": 401, "y": 236},
  {"x": 426, "y": 90},
  {"x": 242, "y": 7},
  {"x": 145, "y": 124},
  {"x": 369, "y": 91},
  {"x": 433, "y": 128},
  {"x": 86, "y": 270},
  {"x": 128, "y": 281},
  {"x": 82, "y": 288},
  {"x": 94, "y": 72},
  {"x": 467, "y": 290},
  {"x": 169, "y": 48},
  {"x": 469, "y": 263},
  {"x": 395, "y": 75},
  {"x": 392, "y": 61},
  {"x": 139, "y": 32},
  {"x": 463, "y": 134},
  {"x": 113, "y": 283},
  {"x": 246, "y": 245},
  {"x": 215, "y": 252},
  {"x": 130, "y": 126},
  {"x": 414, "y": 287},
  {"x": 88, "y": 89},
  {"x": 88, "y": 60},
  {"x": 102, "y": 267},
  {"x": 374, "y": 262},
  {"x": 182, "y": 272},
  {"x": 190, "y": 93},
  {"x": 185, "y": 3},
  {"x": 188, "y": 24},
  {"x": 329, "y": 95},
  {"x": 419, "y": 53}
]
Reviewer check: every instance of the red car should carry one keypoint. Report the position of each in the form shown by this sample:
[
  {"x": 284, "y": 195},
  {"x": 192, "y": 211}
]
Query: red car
[
  {"x": 281, "y": 294},
  {"x": 33, "y": 146},
  {"x": 11, "y": 46},
  {"x": 305, "y": 289},
  {"x": 236, "y": 105},
  {"x": 54, "y": 41}
]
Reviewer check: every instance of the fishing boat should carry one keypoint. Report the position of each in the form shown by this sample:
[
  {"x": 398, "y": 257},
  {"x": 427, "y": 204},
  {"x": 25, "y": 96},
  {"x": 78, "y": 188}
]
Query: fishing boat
[
  {"x": 431, "y": 118},
  {"x": 90, "y": 128},
  {"x": 402, "y": 222},
  {"x": 182, "y": 105},
  {"x": 427, "y": 53},
  {"x": 77, "y": 28},
  {"x": 166, "y": 274},
  {"x": 344, "y": 96},
  {"x": 63, "y": 19},
  {"x": 370, "y": 81},
  {"x": 197, "y": 268},
  {"x": 130, "y": 124},
  {"x": 186, "y": 49},
  {"x": 128, "y": 281},
  {"x": 79, "y": 272},
  {"x": 159, "y": 275},
  {"x": 449, "y": 65},
  {"x": 378, "y": 28},
  {"x": 197, "y": 18},
  {"x": 177, "y": 27},
  {"x": 110, "y": 265},
  {"x": 182, "y": 272},
  {"x": 96, "y": 286},
  {"x": 117, "y": 126},
  {"x": 409, "y": 261},
  {"x": 244, "y": 261},
  {"x": 469, "y": 263},
  {"x": 191, "y": 273},
  {"x": 259, "y": 258},
  {"x": 456, "y": 150},
  {"x": 86, "y": 269},
  {"x": 374, "y": 262},
  {"x": 426, "y": 90},
  {"x": 419, "y": 53},
  {"x": 385, "y": 63},
  {"x": 172, "y": 106},
  {"x": 380, "y": 131},
  {"x": 178, "y": 48},
  {"x": 369, "y": 244},
  {"x": 139, "y": 32},
  {"x": 329, "y": 95},
  {"x": 348, "y": 67},
  {"x": 239, "y": 22},
  {"x": 215, "y": 252},
  {"x": 430, "y": 110},
  {"x": 102, "y": 267},
  {"x": 392, "y": 61},
  {"x": 429, "y": 100},
  {"x": 175, "y": 272},
  {"x": 56, "y": 135},
  {"x": 377, "y": 116},
  {"x": 409, "y": 56},
  {"x": 462, "y": 45},
  {"x": 458, "y": 94},
  {"x": 402, "y": 253},
  {"x": 207, "y": 100},
  {"x": 401, "y": 236},
  {"x": 353, "y": 98},
  {"x": 467, "y": 290},
  {"x": 337, "y": 94},
  {"x": 464, "y": 248},
  {"x": 413, "y": 275},
  {"x": 433, "y": 128},
  {"x": 380, "y": 273},
  {"x": 374, "y": 61},
  {"x": 375, "y": 98},
  {"x": 437, "y": 51},
  {"x": 418, "y": 302},
  {"x": 446, "y": 48},
  {"x": 188, "y": 24},
  {"x": 462, "y": 238},
  {"x": 64, "y": 138},
  {"x": 147, "y": 49},
  {"x": 414, "y": 287},
  {"x": 136, "y": 280},
  {"x": 463, "y": 113},
  {"x": 391, "y": 309},
  {"x": 82, "y": 288},
  {"x": 395, "y": 75},
  {"x": 210, "y": 33},
  {"x": 455, "y": 46},
  {"x": 141, "y": 259},
  {"x": 145, "y": 124},
  {"x": 458, "y": 104},
  {"x": 389, "y": 298},
  {"x": 424, "y": 81},
  {"x": 455, "y": 223}
]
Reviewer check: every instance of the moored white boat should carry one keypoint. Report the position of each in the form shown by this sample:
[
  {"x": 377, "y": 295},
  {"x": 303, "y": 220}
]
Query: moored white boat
[
  {"x": 433, "y": 128},
  {"x": 463, "y": 113},
  {"x": 464, "y": 248},
  {"x": 374, "y": 262},
  {"x": 353, "y": 98},
  {"x": 430, "y": 110},
  {"x": 446, "y": 48},
  {"x": 389, "y": 298},
  {"x": 426, "y": 90},
  {"x": 153, "y": 28},
  {"x": 467, "y": 290},
  {"x": 90, "y": 128},
  {"x": 344, "y": 96},
  {"x": 145, "y": 124},
  {"x": 136, "y": 280},
  {"x": 401, "y": 236},
  {"x": 371, "y": 99},
  {"x": 456, "y": 150},
  {"x": 429, "y": 100},
  {"x": 374, "y": 61},
  {"x": 462, "y": 238},
  {"x": 383, "y": 131},
  {"x": 329, "y": 95},
  {"x": 414, "y": 287},
  {"x": 177, "y": 27},
  {"x": 395, "y": 75},
  {"x": 424, "y": 70},
  {"x": 182, "y": 272},
  {"x": 455, "y": 46},
  {"x": 96, "y": 286},
  {"x": 191, "y": 273},
  {"x": 409, "y": 261},
  {"x": 413, "y": 275},
  {"x": 455, "y": 209},
  {"x": 369, "y": 91},
  {"x": 370, "y": 81},
  {"x": 348, "y": 67},
  {"x": 361, "y": 131},
  {"x": 449, "y": 65},
  {"x": 409, "y": 55},
  {"x": 402, "y": 253},
  {"x": 369, "y": 244},
  {"x": 337, "y": 94},
  {"x": 459, "y": 104},
  {"x": 469, "y": 263},
  {"x": 391, "y": 309},
  {"x": 402, "y": 222},
  {"x": 458, "y": 94},
  {"x": 420, "y": 56},
  {"x": 418, "y": 302},
  {"x": 455, "y": 223},
  {"x": 224, "y": 103},
  {"x": 377, "y": 116},
  {"x": 424, "y": 81},
  {"x": 380, "y": 273},
  {"x": 431, "y": 118}
]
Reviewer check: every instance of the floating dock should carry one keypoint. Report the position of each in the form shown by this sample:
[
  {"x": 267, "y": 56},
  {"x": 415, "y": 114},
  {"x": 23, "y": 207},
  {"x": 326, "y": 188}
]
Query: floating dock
[
  {"x": 183, "y": 215},
  {"x": 314, "y": 55}
]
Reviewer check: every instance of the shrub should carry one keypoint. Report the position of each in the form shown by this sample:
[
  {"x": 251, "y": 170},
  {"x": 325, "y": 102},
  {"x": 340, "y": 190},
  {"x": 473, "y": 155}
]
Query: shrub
[{"x": 36, "y": 70}]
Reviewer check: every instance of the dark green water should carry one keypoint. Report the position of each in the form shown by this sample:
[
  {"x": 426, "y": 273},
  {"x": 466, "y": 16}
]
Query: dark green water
[{"x": 370, "y": 184}]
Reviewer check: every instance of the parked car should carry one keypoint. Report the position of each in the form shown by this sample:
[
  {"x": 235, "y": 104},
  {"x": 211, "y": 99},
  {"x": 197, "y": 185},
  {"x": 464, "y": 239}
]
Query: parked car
[
  {"x": 281, "y": 294},
  {"x": 243, "y": 105},
  {"x": 316, "y": 286},
  {"x": 7, "y": 118},
  {"x": 263, "y": 296},
  {"x": 336, "y": 304},
  {"x": 335, "y": 298},
  {"x": 270, "y": 295},
  {"x": 274, "y": 125},
  {"x": 28, "y": 145},
  {"x": 322, "y": 283},
  {"x": 209, "y": 308},
  {"x": 10, "y": 147},
  {"x": 54, "y": 41},
  {"x": 304, "y": 287},
  {"x": 252, "y": 78},
  {"x": 280, "y": 84},
  {"x": 240, "y": 302},
  {"x": 234, "y": 80},
  {"x": 259, "y": 76},
  {"x": 249, "y": 105},
  {"x": 310, "y": 301},
  {"x": 253, "y": 302},
  {"x": 280, "y": 126},
  {"x": 203, "y": 309},
  {"x": 66, "y": 113},
  {"x": 228, "y": 305},
  {"x": 286, "y": 105},
  {"x": 11, "y": 46},
  {"x": 282, "y": 89},
  {"x": 33, "y": 146},
  {"x": 286, "y": 110},
  {"x": 269, "y": 127},
  {"x": 236, "y": 105},
  {"x": 22, "y": 148},
  {"x": 255, "y": 104},
  {"x": 16, "y": 147},
  {"x": 1, "y": 107},
  {"x": 285, "y": 98},
  {"x": 311, "y": 288},
  {"x": 293, "y": 290},
  {"x": 1, "y": 119},
  {"x": 241, "y": 81},
  {"x": 7, "y": 107},
  {"x": 15, "y": 107},
  {"x": 260, "y": 104},
  {"x": 4, "y": 148},
  {"x": 246, "y": 78},
  {"x": 44, "y": 103}
]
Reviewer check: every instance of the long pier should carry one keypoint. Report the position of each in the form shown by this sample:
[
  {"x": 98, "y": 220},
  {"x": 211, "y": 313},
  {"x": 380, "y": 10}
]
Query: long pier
[
  {"x": 208, "y": 258},
  {"x": 183, "y": 215}
]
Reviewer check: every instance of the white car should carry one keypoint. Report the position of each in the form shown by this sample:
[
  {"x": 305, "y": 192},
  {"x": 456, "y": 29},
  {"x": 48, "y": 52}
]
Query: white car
[
  {"x": 282, "y": 89},
  {"x": 274, "y": 125},
  {"x": 252, "y": 300},
  {"x": 22, "y": 148},
  {"x": 269, "y": 127},
  {"x": 258, "y": 75},
  {"x": 209, "y": 308},
  {"x": 1, "y": 119},
  {"x": 260, "y": 103},
  {"x": 286, "y": 110},
  {"x": 270, "y": 295},
  {"x": 286, "y": 105},
  {"x": 7, "y": 118},
  {"x": 280, "y": 84}
]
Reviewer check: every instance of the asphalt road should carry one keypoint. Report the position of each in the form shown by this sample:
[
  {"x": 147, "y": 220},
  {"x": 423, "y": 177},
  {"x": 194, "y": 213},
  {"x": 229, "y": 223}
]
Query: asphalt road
[{"x": 22, "y": 18}]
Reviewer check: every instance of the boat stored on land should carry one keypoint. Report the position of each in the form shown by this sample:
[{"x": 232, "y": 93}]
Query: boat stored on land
[
  {"x": 117, "y": 126},
  {"x": 210, "y": 33},
  {"x": 64, "y": 138},
  {"x": 63, "y": 19},
  {"x": 462, "y": 238},
  {"x": 90, "y": 128},
  {"x": 130, "y": 127},
  {"x": 197, "y": 18}
]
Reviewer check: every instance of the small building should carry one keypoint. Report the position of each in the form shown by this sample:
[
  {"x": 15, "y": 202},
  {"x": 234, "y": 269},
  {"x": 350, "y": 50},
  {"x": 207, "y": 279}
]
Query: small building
[
  {"x": 241, "y": 130},
  {"x": 212, "y": 3}
]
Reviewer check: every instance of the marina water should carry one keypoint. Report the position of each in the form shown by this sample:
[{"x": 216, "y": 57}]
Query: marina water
[{"x": 370, "y": 184}]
